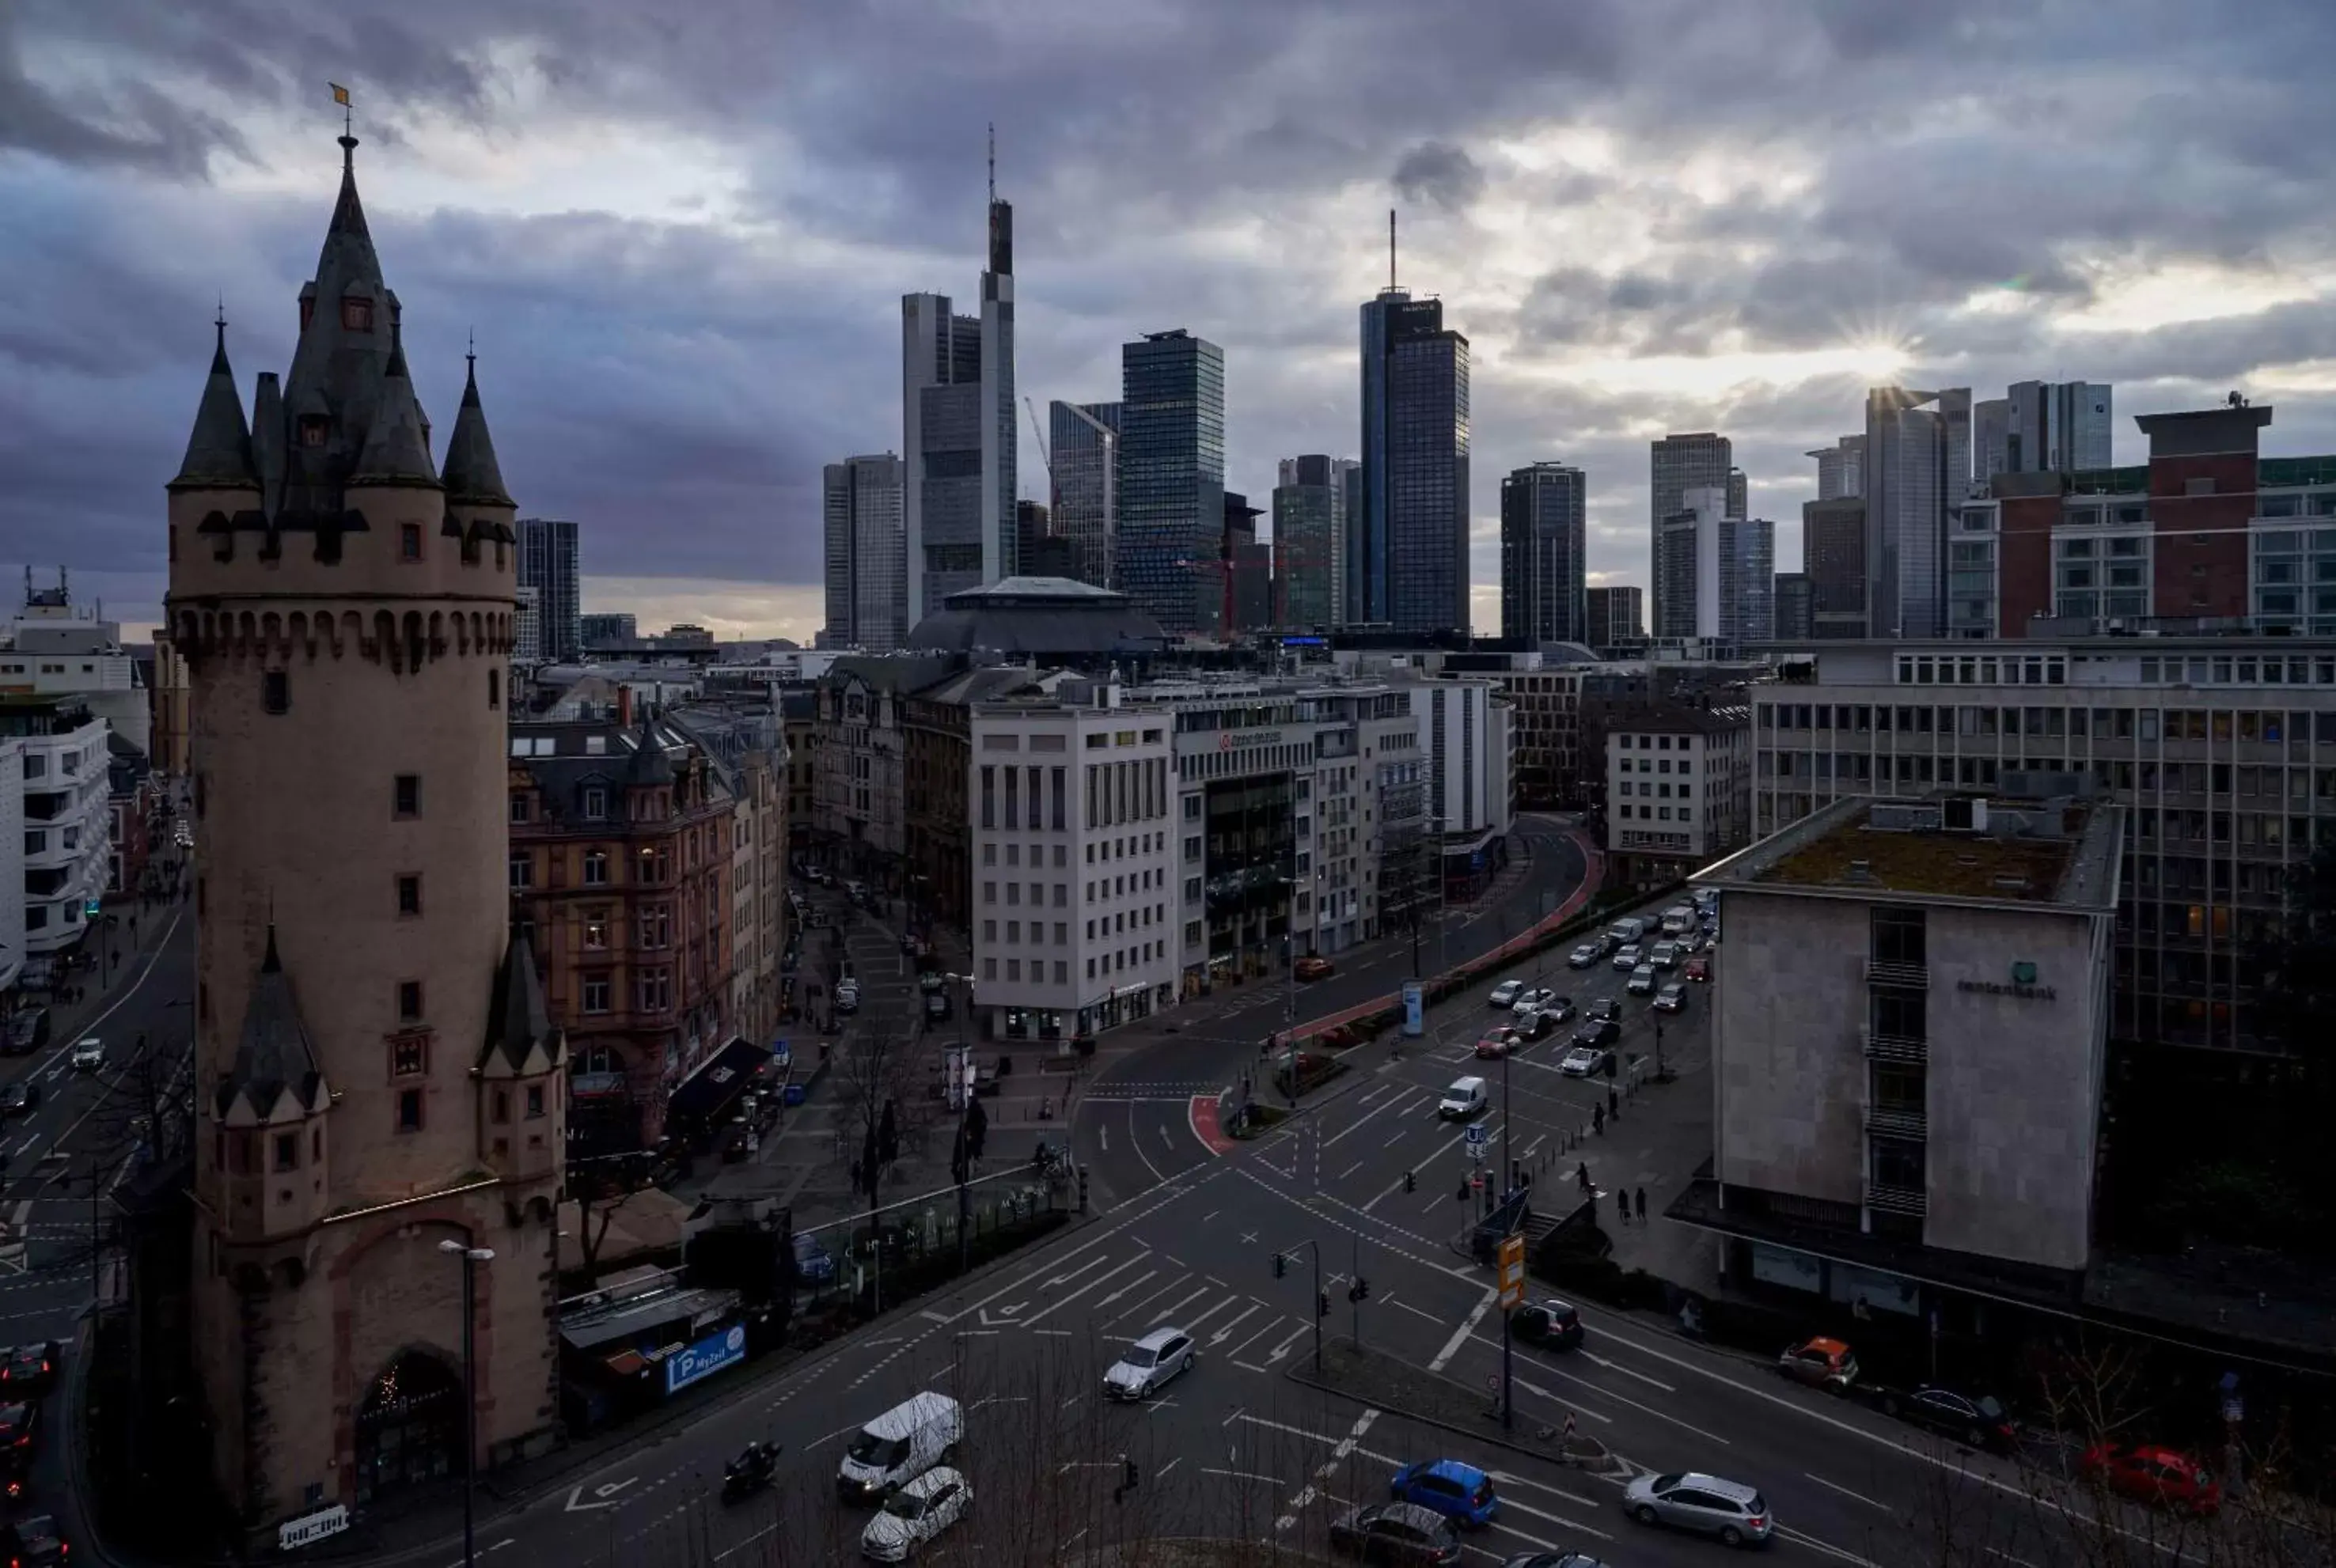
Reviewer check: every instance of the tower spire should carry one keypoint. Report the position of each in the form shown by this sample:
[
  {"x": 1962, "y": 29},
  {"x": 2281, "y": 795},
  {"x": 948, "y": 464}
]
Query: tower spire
[
  {"x": 1390, "y": 248},
  {"x": 993, "y": 160}
]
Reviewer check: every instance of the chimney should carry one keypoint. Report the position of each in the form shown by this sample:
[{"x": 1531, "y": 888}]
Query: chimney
[{"x": 624, "y": 707}]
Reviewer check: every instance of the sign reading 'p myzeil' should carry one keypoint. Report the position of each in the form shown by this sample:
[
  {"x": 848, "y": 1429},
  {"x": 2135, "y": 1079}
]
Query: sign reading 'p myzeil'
[
  {"x": 2021, "y": 983},
  {"x": 704, "y": 1358}
]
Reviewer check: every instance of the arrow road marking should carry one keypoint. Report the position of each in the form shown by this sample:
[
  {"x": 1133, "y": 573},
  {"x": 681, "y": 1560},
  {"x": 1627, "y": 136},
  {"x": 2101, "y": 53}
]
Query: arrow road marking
[
  {"x": 1073, "y": 1295},
  {"x": 606, "y": 1492},
  {"x": 1127, "y": 1287},
  {"x": 1221, "y": 1335}
]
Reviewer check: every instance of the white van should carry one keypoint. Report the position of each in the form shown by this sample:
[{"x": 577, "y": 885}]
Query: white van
[
  {"x": 1679, "y": 920},
  {"x": 899, "y": 1446},
  {"x": 1464, "y": 1099},
  {"x": 1626, "y": 932}
]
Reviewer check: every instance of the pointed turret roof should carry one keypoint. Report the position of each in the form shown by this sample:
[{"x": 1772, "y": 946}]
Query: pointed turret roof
[
  {"x": 473, "y": 475},
  {"x": 649, "y": 767},
  {"x": 397, "y": 452},
  {"x": 219, "y": 449},
  {"x": 342, "y": 359},
  {"x": 521, "y": 1038},
  {"x": 274, "y": 1054}
]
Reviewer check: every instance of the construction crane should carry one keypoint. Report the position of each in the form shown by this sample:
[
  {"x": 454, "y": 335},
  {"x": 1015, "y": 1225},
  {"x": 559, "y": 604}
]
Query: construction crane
[{"x": 1038, "y": 434}]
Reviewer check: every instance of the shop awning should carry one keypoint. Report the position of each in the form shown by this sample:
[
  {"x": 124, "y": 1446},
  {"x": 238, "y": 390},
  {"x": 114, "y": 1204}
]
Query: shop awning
[{"x": 720, "y": 1079}]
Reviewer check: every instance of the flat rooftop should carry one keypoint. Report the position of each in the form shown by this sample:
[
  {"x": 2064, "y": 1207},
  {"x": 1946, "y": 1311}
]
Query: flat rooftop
[{"x": 2052, "y": 853}]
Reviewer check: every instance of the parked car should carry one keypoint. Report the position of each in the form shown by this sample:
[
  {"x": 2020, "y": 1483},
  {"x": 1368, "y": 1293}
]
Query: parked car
[
  {"x": 1976, "y": 1423},
  {"x": 915, "y": 1513},
  {"x": 1314, "y": 967},
  {"x": 29, "y": 1369},
  {"x": 1400, "y": 1535},
  {"x": 34, "y": 1542},
  {"x": 1627, "y": 957},
  {"x": 1146, "y": 1367},
  {"x": 2164, "y": 1478},
  {"x": 1496, "y": 1042},
  {"x": 1699, "y": 969},
  {"x": 1821, "y": 1364},
  {"x": 1731, "y": 1510},
  {"x": 1529, "y": 1000},
  {"x": 88, "y": 1054},
  {"x": 1467, "y": 1098},
  {"x": 1597, "y": 1034},
  {"x": 1642, "y": 982},
  {"x": 1584, "y": 956},
  {"x": 1461, "y": 1492},
  {"x": 22, "y": 1096},
  {"x": 814, "y": 1264},
  {"x": 1505, "y": 995},
  {"x": 1670, "y": 998},
  {"x": 1550, "y": 1322},
  {"x": 1586, "y": 1060}
]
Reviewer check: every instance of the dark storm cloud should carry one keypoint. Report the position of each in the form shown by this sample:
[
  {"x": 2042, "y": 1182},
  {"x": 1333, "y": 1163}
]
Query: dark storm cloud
[{"x": 675, "y": 384}]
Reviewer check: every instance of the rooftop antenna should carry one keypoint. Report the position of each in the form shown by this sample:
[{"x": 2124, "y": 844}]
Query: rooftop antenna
[
  {"x": 1390, "y": 249},
  {"x": 993, "y": 163}
]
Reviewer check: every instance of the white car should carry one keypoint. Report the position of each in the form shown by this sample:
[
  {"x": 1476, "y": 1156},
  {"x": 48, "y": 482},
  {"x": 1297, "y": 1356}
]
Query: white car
[
  {"x": 1670, "y": 999},
  {"x": 88, "y": 1054},
  {"x": 1584, "y": 956},
  {"x": 1532, "y": 1000},
  {"x": 1505, "y": 995},
  {"x": 847, "y": 996},
  {"x": 1642, "y": 982},
  {"x": 914, "y": 1513},
  {"x": 1147, "y": 1365},
  {"x": 1627, "y": 957},
  {"x": 1664, "y": 956},
  {"x": 1583, "y": 1060}
]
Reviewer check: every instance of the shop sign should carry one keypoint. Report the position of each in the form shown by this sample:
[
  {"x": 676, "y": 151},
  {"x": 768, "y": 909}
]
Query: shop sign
[
  {"x": 294, "y": 1533},
  {"x": 693, "y": 1363}
]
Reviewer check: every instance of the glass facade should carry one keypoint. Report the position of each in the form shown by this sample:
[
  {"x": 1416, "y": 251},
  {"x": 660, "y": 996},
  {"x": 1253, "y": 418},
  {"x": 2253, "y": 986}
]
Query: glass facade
[
  {"x": 1310, "y": 525},
  {"x": 1544, "y": 596},
  {"x": 547, "y": 563},
  {"x": 1084, "y": 442},
  {"x": 1413, "y": 530},
  {"x": 1172, "y": 479}
]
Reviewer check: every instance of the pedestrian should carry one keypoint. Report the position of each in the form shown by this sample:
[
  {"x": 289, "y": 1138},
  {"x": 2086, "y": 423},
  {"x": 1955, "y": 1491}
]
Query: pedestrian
[
  {"x": 1613, "y": 1106},
  {"x": 1642, "y": 1205},
  {"x": 1567, "y": 1434},
  {"x": 1598, "y": 1118},
  {"x": 855, "y": 1177},
  {"x": 1581, "y": 1174}
]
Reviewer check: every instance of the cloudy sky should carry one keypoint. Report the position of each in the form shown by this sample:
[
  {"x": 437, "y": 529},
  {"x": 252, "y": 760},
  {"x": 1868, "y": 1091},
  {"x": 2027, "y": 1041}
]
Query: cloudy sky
[{"x": 680, "y": 233}]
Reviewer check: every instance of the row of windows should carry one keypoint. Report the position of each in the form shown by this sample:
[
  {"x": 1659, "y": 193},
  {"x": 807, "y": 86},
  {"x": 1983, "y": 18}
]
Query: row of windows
[
  {"x": 2247, "y": 725},
  {"x": 276, "y": 697},
  {"x": 1655, "y": 813}
]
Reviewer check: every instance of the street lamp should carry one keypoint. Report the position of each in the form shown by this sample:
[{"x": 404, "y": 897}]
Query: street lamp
[
  {"x": 471, "y": 1258},
  {"x": 964, "y": 1160}
]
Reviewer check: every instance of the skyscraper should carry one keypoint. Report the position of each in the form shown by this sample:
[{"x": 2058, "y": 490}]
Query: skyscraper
[
  {"x": 547, "y": 563},
  {"x": 1954, "y": 448},
  {"x": 1796, "y": 606},
  {"x": 1545, "y": 595},
  {"x": 1083, "y": 439},
  {"x": 1991, "y": 438},
  {"x": 1681, "y": 463},
  {"x": 959, "y": 436},
  {"x": 1172, "y": 480},
  {"x": 863, "y": 500},
  {"x": 1717, "y": 572},
  {"x": 1832, "y": 550},
  {"x": 1841, "y": 468},
  {"x": 2058, "y": 427},
  {"x": 1413, "y": 530},
  {"x": 1617, "y": 617},
  {"x": 1905, "y": 514},
  {"x": 1310, "y": 541}
]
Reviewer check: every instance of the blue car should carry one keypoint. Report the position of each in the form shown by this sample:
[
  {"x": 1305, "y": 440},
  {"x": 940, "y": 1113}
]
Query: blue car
[
  {"x": 814, "y": 1264},
  {"x": 1461, "y": 1492}
]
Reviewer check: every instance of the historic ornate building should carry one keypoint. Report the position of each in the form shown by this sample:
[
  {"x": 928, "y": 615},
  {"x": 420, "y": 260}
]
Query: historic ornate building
[{"x": 377, "y": 1076}]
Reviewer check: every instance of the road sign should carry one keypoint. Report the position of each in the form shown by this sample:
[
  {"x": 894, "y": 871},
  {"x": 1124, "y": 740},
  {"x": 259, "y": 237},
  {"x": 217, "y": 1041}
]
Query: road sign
[
  {"x": 1512, "y": 1271},
  {"x": 1414, "y": 1022},
  {"x": 1479, "y": 1137}
]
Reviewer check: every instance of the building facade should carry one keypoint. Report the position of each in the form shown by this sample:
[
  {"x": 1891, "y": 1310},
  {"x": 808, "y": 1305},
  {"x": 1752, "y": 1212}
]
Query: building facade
[
  {"x": 1905, "y": 514},
  {"x": 377, "y": 1076},
  {"x": 62, "y": 796},
  {"x": 1544, "y": 530},
  {"x": 609, "y": 629},
  {"x": 548, "y": 563},
  {"x": 527, "y": 634},
  {"x": 861, "y": 502},
  {"x": 52, "y": 649},
  {"x": 1310, "y": 541},
  {"x": 2056, "y": 427},
  {"x": 1833, "y": 547},
  {"x": 1697, "y": 460},
  {"x": 1408, "y": 549},
  {"x": 1909, "y": 1047},
  {"x": 1617, "y": 616},
  {"x": 959, "y": 432},
  {"x": 1678, "y": 791},
  {"x": 1796, "y": 607},
  {"x": 1172, "y": 480},
  {"x": 1841, "y": 469},
  {"x": 1083, "y": 448},
  {"x": 1718, "y": 573}
]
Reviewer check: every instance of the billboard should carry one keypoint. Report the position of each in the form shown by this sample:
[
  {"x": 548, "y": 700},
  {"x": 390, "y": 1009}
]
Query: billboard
[{"x": 695, "y": 1362}]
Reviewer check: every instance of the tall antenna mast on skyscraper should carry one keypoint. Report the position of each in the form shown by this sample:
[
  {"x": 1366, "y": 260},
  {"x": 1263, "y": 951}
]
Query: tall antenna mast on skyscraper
[
  {"x": 993, "y": 160},
  {"x": 1390, "y": 249}
]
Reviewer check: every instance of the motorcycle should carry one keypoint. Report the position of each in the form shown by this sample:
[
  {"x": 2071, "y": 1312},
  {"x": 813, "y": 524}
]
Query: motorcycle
[{"x": 750, "y": 1472}]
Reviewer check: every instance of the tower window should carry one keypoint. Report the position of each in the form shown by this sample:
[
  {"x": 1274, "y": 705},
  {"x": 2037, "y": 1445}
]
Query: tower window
[
  {"x": 409, "y": 1001},
  {"x": 409, "y": 894},
  {"x": 276, "y": 691},
  {"x": 405, "y": 799},
  {"x": 288, "y": 1151},
  {"x": 409, "y": 1110},
  {"x": 494, "y": 688},
  {"x": 408, "y": 1058},
  {"x": 356, "y": 313},
  {"x": 313, "y": 428},
  {"x": 534, "y": 1100},
  {"x": 409, "y": 541},
  {"x": 501, "y": 1111}
]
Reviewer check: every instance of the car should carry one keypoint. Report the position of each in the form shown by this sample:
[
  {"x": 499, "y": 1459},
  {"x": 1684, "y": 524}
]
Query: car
[
  {"x": 24, "y": 1031},
  {"x": 20, "y": 1424},
  {"x": 1505, "y": 995},
  {"x": 932, "y": 980},
  {"x": 1466, "y": 1098},
  {"x": 1699, "y": 969},
  {"x": 1821, "y": 1364},
  {"x": 1627, "y": 957},
  {"x": 1497, "y": 1042},
  {"x": 22, "y": 1096},
  {"x": 1557, "y": 1010},
  {"x": 1313, "y": 966},
  {"x": 1534, "y": 1024},
  {"x": 1976, "y": 1423},
  {"x": 914, "y": 1513},
  {"x": 1395, "y": 1533},
  {"x": 1678, "y": 918},
  {"x": 1550, "y": 1322},
  {"x": 1584, "y": 956},
  {"x": 1550, "y": 1560},
  {"x": 814, "y": 1264},
  {"x": 1146, "y": 1367},
  {"x": 1604, "y": 1007},
  {"x": 1597, "y": 1033},
  {"x": 1527, "y": 1001},
  {"x": 88, "y": 1054},
  {"x": 1731, "y": 1510},
  {"x": 937, "y": 1006},
  {"x": 1585, "y": 1060},
  {"x": 29, "y": 1369},
  {"x": 1642, "y": 982},
  {"x": 1670, "y": 998},
  {"x": 1461, "y": 1492},
  {"x": 34, "y": 1543},
  {"x": 2167, "y": 1477},
  {"x": 847, "y": 996},
  {"x": 1693, "y": 942},
  {"x": 1664, "y": 956}
]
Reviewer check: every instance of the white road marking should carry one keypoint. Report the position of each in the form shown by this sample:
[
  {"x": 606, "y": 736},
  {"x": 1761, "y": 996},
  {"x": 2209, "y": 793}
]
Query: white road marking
[
  {"x": 1837, "y": 1486},
  {"x": 1073, "y": 1295}
]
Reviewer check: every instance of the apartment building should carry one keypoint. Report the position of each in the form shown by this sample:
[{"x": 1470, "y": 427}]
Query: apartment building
[
  {"x": 1678, "y": 791},
  {"x": 2222, "y": 750},
  {"x": 65, "y": 796}
]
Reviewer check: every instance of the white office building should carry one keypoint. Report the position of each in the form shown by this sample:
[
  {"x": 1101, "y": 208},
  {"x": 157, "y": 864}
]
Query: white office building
[
  {"x": 53, "y": 649},
  {"x": 1718, "y": 572},
  {"x": 64, "y": 805}
]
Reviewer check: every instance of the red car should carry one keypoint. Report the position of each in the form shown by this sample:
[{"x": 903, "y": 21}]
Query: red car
[
  {"x": 1313, "y": 968},
  {"x": 2165, "y": 1476},
  {"x": 1497, "y": 1042},
  {"x": 1698, "y": 968}
]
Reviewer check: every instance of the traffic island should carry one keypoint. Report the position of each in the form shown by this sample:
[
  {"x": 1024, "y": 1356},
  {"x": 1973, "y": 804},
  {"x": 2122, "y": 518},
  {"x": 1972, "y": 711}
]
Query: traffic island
[{"x": 1387, "y": 1382}]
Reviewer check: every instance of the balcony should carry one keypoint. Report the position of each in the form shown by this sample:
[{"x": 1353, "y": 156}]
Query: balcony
[
  {"x": 1895, "y": 1048},
  {"x": 1885, "y": 971},
  {"x": 1907, "y": 1121},
  {"x": 1890, "y": 1200}
]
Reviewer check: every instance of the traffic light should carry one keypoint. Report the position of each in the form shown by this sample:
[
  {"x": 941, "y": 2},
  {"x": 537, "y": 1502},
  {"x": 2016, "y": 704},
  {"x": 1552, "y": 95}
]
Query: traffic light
[
  {"x": 1362, "y": 1289},
  {"x": 1083, "y": 1189},
  {"x": 1410, "y": 1183},
  {"x": 1280, "y": 1265},
  {"x": 1321, "y": 1303}
]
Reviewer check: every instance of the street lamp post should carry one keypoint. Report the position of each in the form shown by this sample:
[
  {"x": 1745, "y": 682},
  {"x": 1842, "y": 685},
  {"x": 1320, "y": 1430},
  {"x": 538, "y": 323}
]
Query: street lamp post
[
  {"x": 1508, "y": 1337},
  {"x": 471, "y": 1258},
  {"x": 964, "y": 1161}
]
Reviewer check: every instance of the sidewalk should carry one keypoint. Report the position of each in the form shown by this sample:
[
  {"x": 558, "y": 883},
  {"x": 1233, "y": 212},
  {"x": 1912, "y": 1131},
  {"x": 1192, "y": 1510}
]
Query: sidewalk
[{"x": 142, "y": 935}]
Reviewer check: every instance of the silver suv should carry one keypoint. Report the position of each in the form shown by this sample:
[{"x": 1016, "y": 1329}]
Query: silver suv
[{"x": 1731, "y": 1510}]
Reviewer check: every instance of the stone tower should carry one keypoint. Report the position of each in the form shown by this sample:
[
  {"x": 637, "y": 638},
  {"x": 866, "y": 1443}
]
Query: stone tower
[{"x": 375, "y": 1062}]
